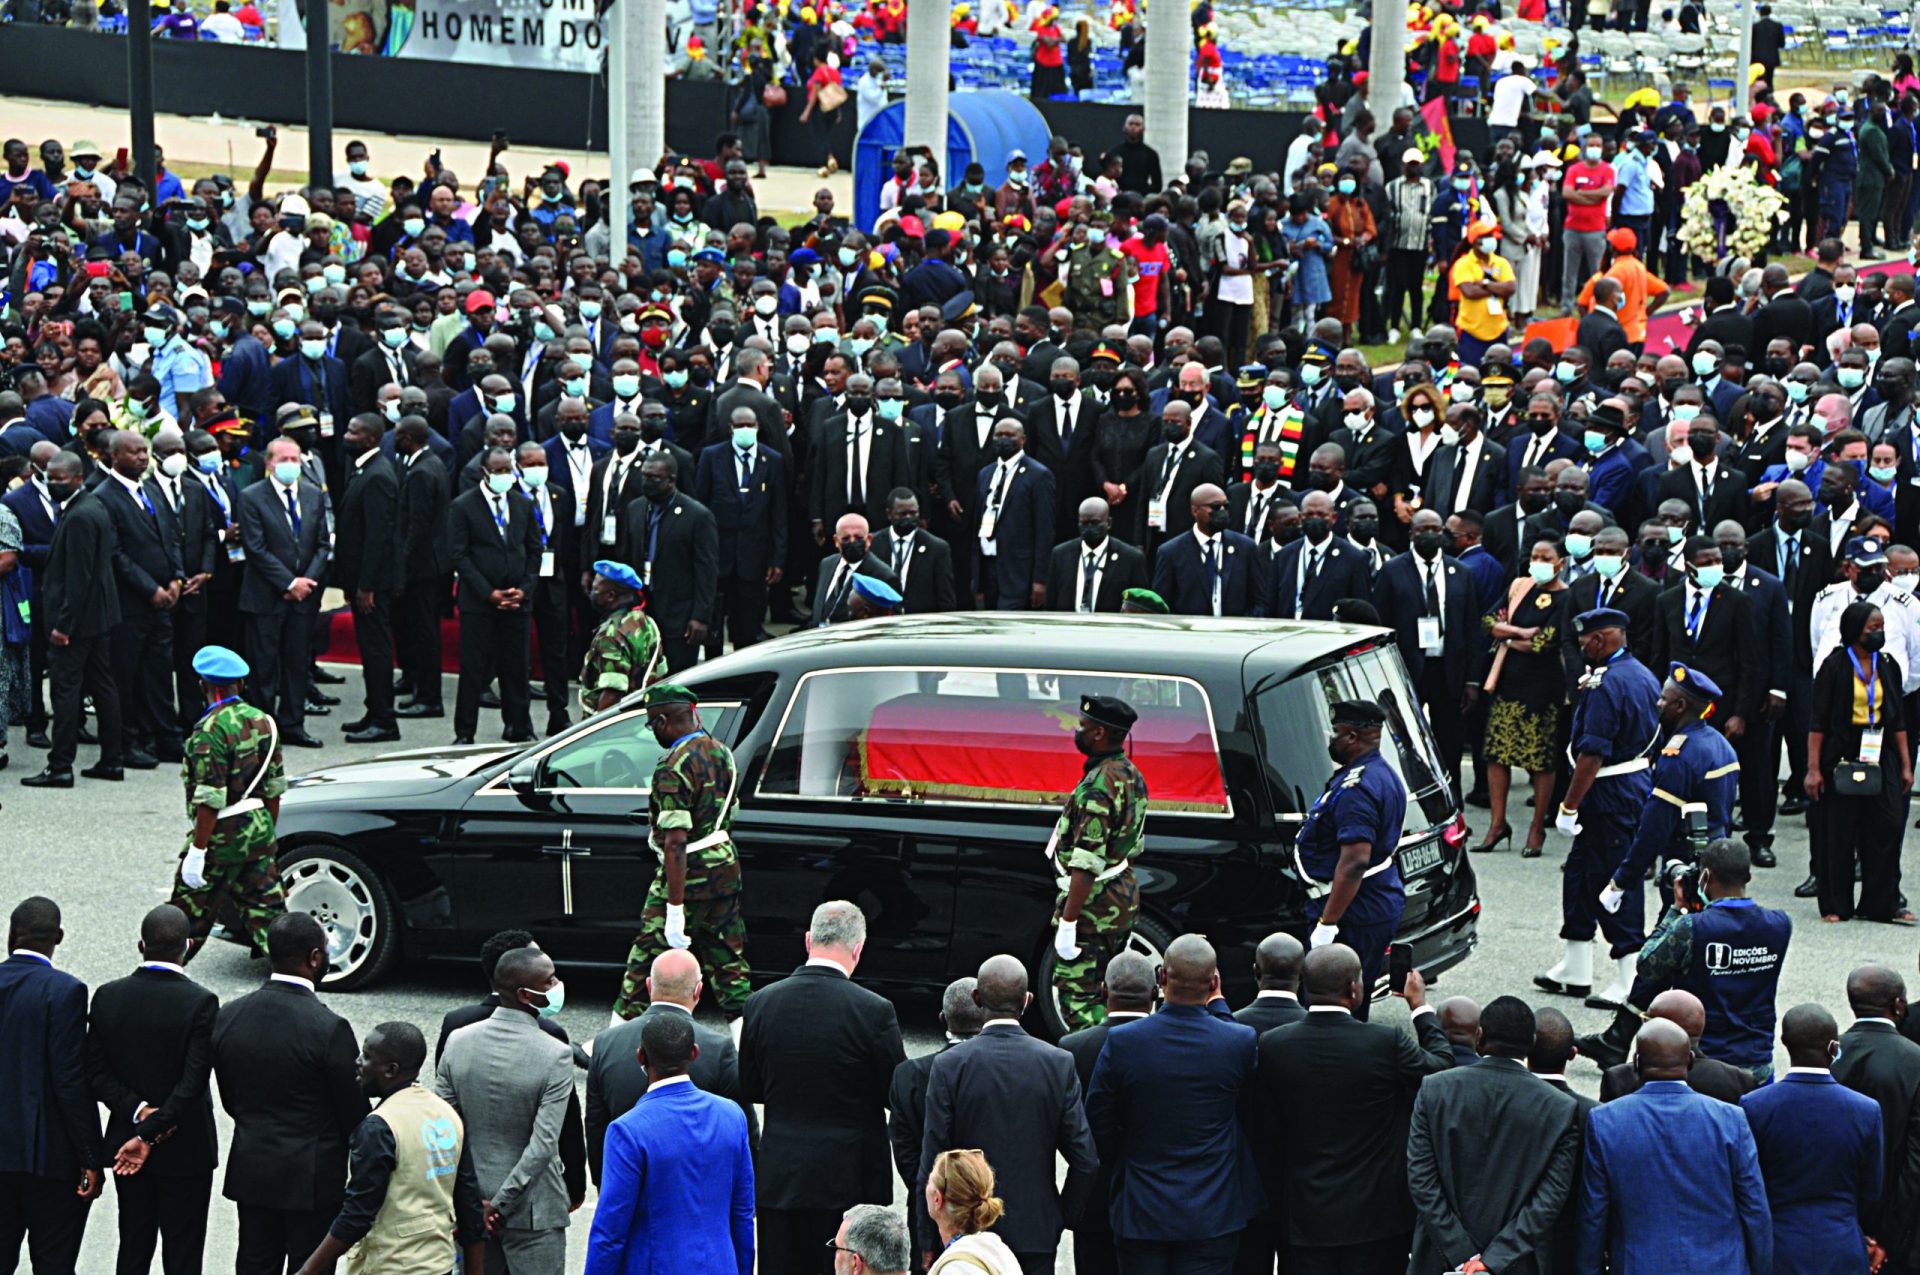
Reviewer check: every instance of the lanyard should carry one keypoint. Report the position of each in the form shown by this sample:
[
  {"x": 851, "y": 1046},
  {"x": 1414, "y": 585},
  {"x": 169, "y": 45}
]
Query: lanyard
[
  {"x": 1873, "y": 681},
  {"x": 499, "y": 518},
  {"x": 539, "y": 517}
]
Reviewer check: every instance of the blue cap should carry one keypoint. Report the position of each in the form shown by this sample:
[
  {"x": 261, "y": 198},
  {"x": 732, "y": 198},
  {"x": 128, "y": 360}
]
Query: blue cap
[
  {"x": 803, "y": 257},
  {"x": 1599, "y": 618},
  {"x": 218, "y": 664},
  {"x": 713, "y": 255},
  {"x": 1693, "y": 682},
  {"x": 876, "y": 591},
  {"x": 618, "y": 572},
  {"x": 1866, "y": 551}
]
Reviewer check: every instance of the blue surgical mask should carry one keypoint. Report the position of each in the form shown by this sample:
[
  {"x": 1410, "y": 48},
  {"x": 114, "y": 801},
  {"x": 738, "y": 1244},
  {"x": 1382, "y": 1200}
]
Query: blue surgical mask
[
  {"x": 745, "y": 436},
  {"x": 1709, "y": 577},
  {"x": 1348, "y": 185},
  {"x": 1463, "y": 183},
  {"x": 357, "y": 167},
  {"x": 1310, "y": 373},
  {"x": 1274, "y": 396},
  {"x": 556, "y": 1000},
  {"x": 207, "y": 462},
  {"x": 626, "y": 386},
  {"x": 334, "y": 274},
  {"x": 1096, "y": 239},
  {"x": 503, "y": 403},
  {"x": 859, "y": 345},
  {"x": 574, "y": 388},
  {"x": 315, "y": 282},
  {"x": 1883, "y": 474},
  {"x": 197, "y": 224},
  {"x": 259, "y": 309},
  {"x": 1542, "y": 572},
  {"x": 1596, "y": 442},
  {"x": 534, "y": 478},
  {"x": 676, "y": 379},
  {"x": 1608, "y": 565},
  {"x": 394, "y": 337},
  {"x": 414, "y": 226},
  {"x": 1565, "y": 372},
  {"x": 888, "y": 409},
  {"x": 1704, "y": 363},
  {"x": 157, "y": 337},
  {"x": 499, "y": 484},
  {"x": 1796, "y": 391},
  {"x": 286, "y": 472},
  {"x": 295, "y": 311},
  {"x": 1851, "y": 377},
  {"x": 1685, "y": 411},
  {"x": 676, "y": 260},
  {"x": 315, "y": 350},
  {"x": 285, "y": 328},
  {"x": 847, "y": 257},
  {"x": 1579, "y": 545},
  {"x": 542, "y": 331},
  {"x": 582, "y": 361}
]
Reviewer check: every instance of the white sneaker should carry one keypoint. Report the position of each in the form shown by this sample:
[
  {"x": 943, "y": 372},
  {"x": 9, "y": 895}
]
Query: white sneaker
[{"x": 1393, "y": 336}]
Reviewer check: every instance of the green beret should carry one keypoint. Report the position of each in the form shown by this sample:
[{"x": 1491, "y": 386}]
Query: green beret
[
  {"x": 668, "y": 693},
  {"x": 1143, "y": 600}
]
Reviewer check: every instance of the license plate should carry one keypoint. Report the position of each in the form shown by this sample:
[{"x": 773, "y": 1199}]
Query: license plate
[{"x": 1424, "y": 857}]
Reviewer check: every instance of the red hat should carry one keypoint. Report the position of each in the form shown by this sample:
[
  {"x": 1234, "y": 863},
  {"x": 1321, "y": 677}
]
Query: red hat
[
  {"x": 479, "y": 299},
  {"x": 561, "y": 164},
  {"x": 1623, "y": 239},
  {"x": 912, "y": 226}
]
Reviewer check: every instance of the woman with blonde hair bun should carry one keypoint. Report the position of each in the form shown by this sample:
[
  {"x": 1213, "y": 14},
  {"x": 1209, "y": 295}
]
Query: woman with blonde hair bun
[{"x": 961, "y": 1202}]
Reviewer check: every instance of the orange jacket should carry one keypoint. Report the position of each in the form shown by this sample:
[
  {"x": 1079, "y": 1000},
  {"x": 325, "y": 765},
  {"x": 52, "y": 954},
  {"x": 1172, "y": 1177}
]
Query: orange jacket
[{"x": 1640, "y": 286}]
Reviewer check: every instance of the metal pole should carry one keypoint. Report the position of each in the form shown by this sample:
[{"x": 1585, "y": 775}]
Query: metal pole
[
  {"x": 1169, "y": 39},
  {"x": 319, "y": 97},
  {"x": 636, "y": 102},
  {"x": 926, "y": 107},
  {"x": 1746, "y": 58},
  {"x": 1386, "y": 62},
  {"x": 619, "y": 154},
  {"x": 140, "y": 88}
]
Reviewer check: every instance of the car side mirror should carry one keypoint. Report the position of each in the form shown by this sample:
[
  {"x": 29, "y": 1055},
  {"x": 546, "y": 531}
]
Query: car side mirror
[{"x": 524, "y": 778}]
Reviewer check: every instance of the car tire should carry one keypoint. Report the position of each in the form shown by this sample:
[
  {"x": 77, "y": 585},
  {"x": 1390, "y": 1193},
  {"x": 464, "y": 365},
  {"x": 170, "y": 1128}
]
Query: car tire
[
  {"x": 1150, "y": 938},
  {"x": 353, "y": 905}
]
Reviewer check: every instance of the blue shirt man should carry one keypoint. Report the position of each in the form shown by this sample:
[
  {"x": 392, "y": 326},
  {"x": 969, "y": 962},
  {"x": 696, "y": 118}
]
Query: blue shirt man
[
  {"x": 1696, "y": 769},
  {"x": 1632, "y": 170},
  {"x": 178, "y": 367},
  {"x": 1345, "y": 848}
]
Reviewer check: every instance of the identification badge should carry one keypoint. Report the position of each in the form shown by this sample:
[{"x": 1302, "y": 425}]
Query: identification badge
[
  {"x": 1429, "y": 633},
  {"x": 989, "y": 519},
  {"x": 608, "y": 529},
  {"x": 1494, "y": 307},
  {"x": 326, "y": 424},
  {"x": 1157, "y": 514},
  {"x": 1106, "y": 287},
  {"x": 1870, "y": 746},
  {"x": 546, "y": 564},
  {"x": 236, "y": 553}
]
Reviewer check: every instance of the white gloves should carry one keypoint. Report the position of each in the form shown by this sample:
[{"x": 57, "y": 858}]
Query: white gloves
[
  {"x": 1611, "y": 896},
  {"x": 1323, "y": 934},
  {"x": 1063, "y": 945},
  {"x": 193, "y": 869},
  {"x": 677, "y": 925},
  {"x": 1568, "y": 821}
]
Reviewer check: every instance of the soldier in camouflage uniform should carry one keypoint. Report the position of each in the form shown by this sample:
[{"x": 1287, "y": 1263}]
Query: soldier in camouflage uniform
[
  {"x": 234, "y": 781},
  {"x": 694, "y": 900},
  {"x": 624, "y": 654},
  {"x": 1093, "y": 847}
]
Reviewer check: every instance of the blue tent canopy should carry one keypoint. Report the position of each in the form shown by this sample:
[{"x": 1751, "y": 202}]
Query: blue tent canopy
[{"x": 982, "y": 125}]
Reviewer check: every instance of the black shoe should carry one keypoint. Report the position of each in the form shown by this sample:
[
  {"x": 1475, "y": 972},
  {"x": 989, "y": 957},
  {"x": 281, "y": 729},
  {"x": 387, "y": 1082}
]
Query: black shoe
[
  {"x": 1808, "y": 889},
  {"x": 1794, "y": 806},
  {"x": 1609, "y": 1048},
  {"x": 1558, "y": 988},
  {"x": 557, "y": 724},
  {"x": 1478, "y": 798},
  {"x": 49, "y": 779},
  {"x": 1763, "y": 857},
  {"x": 518, "y": 737},
  {"x": 357, "y": 724},
  {"x": 404, "y": 688},
  {"x": 100, "y": 770},
  {"x": 488, "y": 699},
  {"x": 322, "y": 698},
  {"x": 300, "y": 739},
  {"x": 420, "y": 710},
  {"x": 374, "y": 735},
  {"x": 1739, "y": 823},
  {"x": 38, "y": 739},
  {"x": 319, "y": 710},
  {"x": 325, "y": 677},
  {"x": 140, "y": 760},
  {"x": 463, "y": 739},
  {"x": 86, "y": 735}
]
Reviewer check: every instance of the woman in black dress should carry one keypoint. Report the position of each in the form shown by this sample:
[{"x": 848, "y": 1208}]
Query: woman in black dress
[
  {"x": 1524, "y": 710},
  {"x": 1122, "y": 436}
]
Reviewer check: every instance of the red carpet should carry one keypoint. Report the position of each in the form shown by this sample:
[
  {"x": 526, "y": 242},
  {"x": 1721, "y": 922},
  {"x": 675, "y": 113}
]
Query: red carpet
[{"x": 342, "y": 649}]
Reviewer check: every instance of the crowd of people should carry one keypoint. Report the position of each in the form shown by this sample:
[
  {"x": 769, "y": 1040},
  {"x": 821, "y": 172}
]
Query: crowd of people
[{"x": 1195, "y": 1137}]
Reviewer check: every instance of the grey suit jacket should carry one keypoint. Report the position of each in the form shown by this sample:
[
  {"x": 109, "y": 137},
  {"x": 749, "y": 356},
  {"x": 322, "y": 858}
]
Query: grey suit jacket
[{"x": 510, "y": 1081}]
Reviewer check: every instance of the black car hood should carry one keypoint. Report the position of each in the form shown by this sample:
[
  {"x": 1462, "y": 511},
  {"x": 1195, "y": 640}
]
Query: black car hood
[{"x": 418, "y": 769}]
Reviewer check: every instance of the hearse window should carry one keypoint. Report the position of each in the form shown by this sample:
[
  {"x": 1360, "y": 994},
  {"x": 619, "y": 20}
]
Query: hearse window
[
  {"x": 983, "y": 735},
  {"x": 1296, "y": 719},
  {"x": 621, "y": 754}
]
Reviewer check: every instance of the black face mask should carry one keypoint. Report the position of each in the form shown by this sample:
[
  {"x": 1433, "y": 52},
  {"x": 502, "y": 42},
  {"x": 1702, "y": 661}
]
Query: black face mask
[
  {"x": 1535, "y": 501},
  {"x": 1006, "y": 448},
  {"x": 625, "y": 441},
  {"x": 1891, "y": 389},
  {"x": 858, "y": 404},
  {"x": 1347, "y": 381},
  {"x": 1288, "y": 534},
  {"x": 1321, "y": 482},
  {"x": 1671, "y": 386},
  {"x": 991, "y": 402},
  {"x": 1063, "y": 389},
  {"x": 326, "y": 314},
  {"x": 1835, "y": 497},
  {"x": 1733, "y": 557},
  {"x": 1873, "y": 641},
  {"x": 1569, "y": 502},
  {"x": 1541, "y": 425},
  {"x": 1867, "y": 579},
  {"x": 1220, "y": 518},
  {"x": 722, "y": 333},
  {"x": 906, "y": 525},
  {"x": 62, "y": 494},
  {"x": 1363, "y": 529},
  {"x": 949, "y": 399},
  {"x": 658, "y": 490},
  {"x": 1092, "y": 533},
  {"x": 653, "y": 428},
  {"x": 1795, "y": 520},
  {"x": 1316, "y": 529},
  {"x": 1777, "y": 367},
  {"x": 1126, "y": 400},
  {"x": 1427, "y": 543},
  {"x": 1333, "y": 751},
  {"x": 1265, "y": 471},
  {"x": 1008, "y": 368},
  {"x": 853, "y": 551},
  {"x": 1174, "y": 433}
]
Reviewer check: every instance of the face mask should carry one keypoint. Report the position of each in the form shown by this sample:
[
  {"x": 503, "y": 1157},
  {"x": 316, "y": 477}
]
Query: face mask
[
  {"x": 391, "y": 410},
  {"x": 536, "y": 478},
  {"x": 676, "y": 259},
  {"x": 1565, "y": 372},
  {"x": 1868, "y": 579},
  {"x": 1852, "y": 377},
  {"x": 1844, "y": 293},
  {"x": 1596, "y": 442},
  {"x": 1310, "y": 373},
  {"x": 1609, "y": 565},
  {"x": 853, "y": 551},
  {"x": 315, "y": 282},
  {"x": 1796, "y": 391},
  {"x": 1873, "y": 641},
  {"x": 1174, "y": 434},
  {"x": 847, "y": 257},
  {"x": 358, "y": 168},
  {"x": 1316, "y": 529},
  {"x": 1704, "y": 363},
  {"x": 1873, "y": 355},
  {"x": 722, "y": 333},
  {"x": 1676, "y": 534},
  {"x": 1542, "y": 572},
  {"x": 1906, "y": 583},
  {"x": 259, "y": 309},
  {"x": 1064, "y": 389},
  {"x": 1449, "y": 436},
  {"x": 1006, "y": 448},
  {"x": 888, "y": 409},
  {"x": 286, "y": 472},
  {"x": 625, "y": 441},
  {"x": 314, "y": 350},
  {"x": 334, "y": 274},
  {"x": 1463, "y": 183},
  {"x": 1592, "y": 153},
  {"x": 857, "y": 404},
  {"x": 1348, "y": 185},
  {"x": 499, "y": 484},
  {"x": 797, "y": 343},
  {"x": 1363, "y": 529},
  {"x": 1881, "y": 474},
  {"x": 1274, "y": 396},
  {"x": 765, "y": 306},
  {"x": 199, "y": 225},
  {"x": 296, "y": 312},
  {"x": 207, "y": 462},
  {"x": 174, "y": 465},
  {"x": 1709, "y": 577},
  {"x": 626, "y": 386},
  {"x": 1579, "y": 545},
  {"x": 414, "y": 226},
  {"x": 156, "y": 337},
  {"x": 1096, "y": 238},
  {"x": 1569, "y": 502},
  {"x": 1685, "y": 412},
  {"x": 1357, "y": 421},
  {"x": 556, "y": 1001}
]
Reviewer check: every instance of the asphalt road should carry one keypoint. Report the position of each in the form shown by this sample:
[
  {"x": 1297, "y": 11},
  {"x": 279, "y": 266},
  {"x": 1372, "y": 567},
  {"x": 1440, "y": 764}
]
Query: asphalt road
[{"x": 106, "y": 853}]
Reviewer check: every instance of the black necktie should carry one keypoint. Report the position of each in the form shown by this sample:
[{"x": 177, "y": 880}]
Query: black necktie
[
  {"x": 857, "y": 493},
  {"x": 1090, "y": 567},
  {"x": 1213, "y": 571},
  {"x": 839, "y": 594},
  {"x": 1459, "y": 475},
  {"x": 1433, "y": 589},
  {"x": 900, "y": 548}
]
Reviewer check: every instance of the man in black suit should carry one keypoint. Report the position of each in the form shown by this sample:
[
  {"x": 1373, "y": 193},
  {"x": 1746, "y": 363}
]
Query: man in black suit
[
  {"x": 1317, "y": 570},
  {"x": 369, "y": 572},
  {"x": 1091, "y": 572},
  {"x": 1600, "y": 333},
  {"x": 1013, "y": 525},
  {"x": 612, "y": 488},
  {"x": 1174, "y": 467},
  {"x": 49, "y": 1125},
  {"x": 34, "y": 508},
  {"x": 1705, "y": 1075},
  {"x": 1128, "y": 991},
  {"x": 963, "y": 446},
  {"x": 819, "y": 1052},
  {"x": 860, "y": 459},
  {"x": 921, "y": 561},
  {"x": 1515, "y": 1139},
  {"x": 283, "y": 523},
  {"x": 1796, "y": 548},
  {"x": 1016, "y": 1099},
  {"x": 150, "y": 1062},
  {"x": 1276, "y": 975},
  {"x": 285, "y": 1063},
  {"x": 189, "y": 516},
  {"x": 1212, "y": 570},
  {"x": 1553, "y": 1049},
  {"x": 80, "y": 604},
  {"x": 616, "y": 1079},
  {"x": 746, "y": 488},
  {"x": 1613, "y": 583},
  {"x": 1709, "y": 626},
  {"x": 853, "y": 555},
  {"x": 1725, "y": 323},
  {"x": 1782, "y": 312},
  {"x": 671, "y": 540},
  {"x": 393, "y": 361},
  {"x": 1060, "y": 435},
  {"x": 495, "y": 544},
  {"x": 1876, "y": 1060},
  {"x": 1710, "y": 489},
  {"x": 1339, "y": 1146},
  {"x": 1429, "y": 600},
  {"x": 961, "y": 1019},
  {"x": 547, "y": 602},
  {"x": 752, "y": 377},
  {"x": 147, "y": 567},
  {"x": 312, "y": 377},
  {"x": 1251, "y": 501},
  {"x": 1504, "y": 528},
  {"x": 1773, "y": 635},
  {"x": 1469, "y": 474},
  {"x": 426, "y": 561}
]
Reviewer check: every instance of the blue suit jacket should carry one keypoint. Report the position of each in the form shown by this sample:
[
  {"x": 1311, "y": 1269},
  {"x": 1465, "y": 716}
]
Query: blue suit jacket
[
  {"x": 294, "y": 382},
  {"x": 1180, "y": 576},
  {"x": 1517, "y": 447},
  {"x": 36, "y": 529},
  {"x": 1166, "y": 1105},
  {"x": 1024, "y": 532},
  {"x": 49, "y": 1124},
  {"x": 1343, "y": 574},
  {"x": 1820, "y": 1154},
  {"x": 677, "y": 1191},
  {"x": 51, "y": 416},
  {"x": 753, "y": 527},
  {"x": 246, "y": 378},
  {"x": 1664, "y": 1168}
]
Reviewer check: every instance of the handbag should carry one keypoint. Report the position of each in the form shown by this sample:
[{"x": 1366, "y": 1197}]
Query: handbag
[
  {"x": 774, "y": 95},
  {"x": 831, "y": 96},
  {"x": 1858, "y": 779},
  {"x": 1366, "y": 257}
]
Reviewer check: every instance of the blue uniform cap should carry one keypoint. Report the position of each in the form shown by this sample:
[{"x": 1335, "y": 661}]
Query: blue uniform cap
[
  {"x": 618, "y": 572},
  {"x": 803, "y": 257},
  {"x": 713, "y": 255},
  {"x": 1599, "y": 618},
  {"x": 1358, "y": 712},
  {"x": 1866, "y": 551},
  {"x": 218, "y": 664},
  {"x": 876, "y": 591},
  {"x": 1693, "y": 682}
]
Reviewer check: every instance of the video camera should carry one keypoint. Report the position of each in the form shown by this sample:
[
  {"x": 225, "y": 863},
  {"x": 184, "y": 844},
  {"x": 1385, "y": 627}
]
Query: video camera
[{"x": 1678, "y": 873}]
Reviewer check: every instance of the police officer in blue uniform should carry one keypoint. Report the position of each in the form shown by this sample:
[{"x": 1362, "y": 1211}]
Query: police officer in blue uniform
[
  {"x": 1346, "y": 846},
  {"x": 1615, "y": 729},
  {"x": 1696, "y": 771},
  {"x": 1723, "y": 947}
]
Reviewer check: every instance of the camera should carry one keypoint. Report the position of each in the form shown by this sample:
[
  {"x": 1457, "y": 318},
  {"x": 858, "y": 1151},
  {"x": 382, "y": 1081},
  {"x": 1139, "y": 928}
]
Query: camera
[
  {"x": 1680, "y": 878},
  {"x": 267, "y": 131}
]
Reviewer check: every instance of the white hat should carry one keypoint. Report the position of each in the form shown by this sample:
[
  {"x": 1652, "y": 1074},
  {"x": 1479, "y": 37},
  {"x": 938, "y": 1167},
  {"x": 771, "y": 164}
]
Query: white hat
[
  {"x": 1413, "y": 155},
  {"x": 1544, "y": 159}
]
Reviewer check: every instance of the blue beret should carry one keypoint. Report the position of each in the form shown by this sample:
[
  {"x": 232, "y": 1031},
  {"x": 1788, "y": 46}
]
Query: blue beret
[
  {"x": 1599, "y": 618},
  {"x": 1693, "y": 682},
  {"x": 803, "y": 257},
  {"x": 218, "y": 664},
  {"x": 876, "y": 591},
  {"x": 713, "y": 255},
  {"x": 618, "y": 572}
]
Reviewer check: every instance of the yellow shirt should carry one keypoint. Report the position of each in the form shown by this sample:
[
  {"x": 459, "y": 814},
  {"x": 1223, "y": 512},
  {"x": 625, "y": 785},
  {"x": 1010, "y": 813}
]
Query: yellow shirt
[{"x": 1484, "y": 318}]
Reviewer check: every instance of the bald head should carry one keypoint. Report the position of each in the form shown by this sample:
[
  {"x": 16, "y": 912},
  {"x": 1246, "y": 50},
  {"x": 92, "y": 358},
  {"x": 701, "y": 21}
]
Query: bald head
[
  {"x": 1877, "y": 991},
  {"x": 675, "y": 978},
  {"x": 1552, "y": 1043},
  {"x": 1001, "y": 987},
  {"x": 1810, "y": 1035},
  {"x": 1662, "y": 1051},
  {"x": 1331, "y": 976},
  {"x": 1191, "y": 972},
  {"x": 1276, "y": 962},
  {"x": 1682, "y": 1009},
  {"x": 1130, "y": 983},
  {"x": 163, "y": 934}
]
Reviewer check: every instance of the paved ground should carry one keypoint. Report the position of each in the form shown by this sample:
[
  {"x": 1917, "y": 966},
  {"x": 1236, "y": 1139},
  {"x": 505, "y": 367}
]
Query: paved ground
[{"x": 106, "y": 853}]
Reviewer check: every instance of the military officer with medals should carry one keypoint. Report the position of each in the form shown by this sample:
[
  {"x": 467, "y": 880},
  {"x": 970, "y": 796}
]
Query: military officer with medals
[
  {"x": 1345, "y": 848},
  {"x": 234, "y": 781},
  {"x": 1094, "y": 843},
  {"x": 624, "y": 653},
  {"x": 1616, "y": 729},
  {"x": 694, "y": 899}
]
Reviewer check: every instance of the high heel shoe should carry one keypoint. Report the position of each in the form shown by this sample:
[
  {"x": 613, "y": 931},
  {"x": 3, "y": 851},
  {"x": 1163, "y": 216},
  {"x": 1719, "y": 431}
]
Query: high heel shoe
[
  {"x": 1531, "y": 852},
  {"x": 1495, "y": 838}
]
